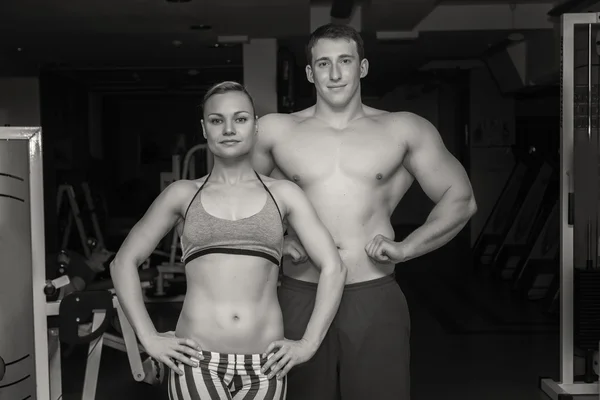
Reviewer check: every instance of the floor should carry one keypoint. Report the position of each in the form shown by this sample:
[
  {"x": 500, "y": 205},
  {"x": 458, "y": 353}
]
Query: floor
[{"x": 469, "y": 341}]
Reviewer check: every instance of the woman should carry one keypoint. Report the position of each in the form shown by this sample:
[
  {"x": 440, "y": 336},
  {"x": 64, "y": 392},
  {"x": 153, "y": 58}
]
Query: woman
[{"x": 231, "y": 228}]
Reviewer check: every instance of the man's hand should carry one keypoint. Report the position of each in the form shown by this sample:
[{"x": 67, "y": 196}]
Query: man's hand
[
  {"x": 290, "y": 353},
  {"x": 384, "y": 250},
  {"x": 293, "y": 248}
]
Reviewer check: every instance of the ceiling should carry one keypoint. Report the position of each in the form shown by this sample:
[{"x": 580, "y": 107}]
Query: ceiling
[{"x": 122, "y": 42}]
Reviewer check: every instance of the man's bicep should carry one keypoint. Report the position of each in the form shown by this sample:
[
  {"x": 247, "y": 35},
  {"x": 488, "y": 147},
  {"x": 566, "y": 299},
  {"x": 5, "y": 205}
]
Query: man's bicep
[{"x": 433, "y": 166}]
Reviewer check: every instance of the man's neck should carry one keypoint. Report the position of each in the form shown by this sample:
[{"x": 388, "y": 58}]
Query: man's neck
[{"x": 339, "y": 118}]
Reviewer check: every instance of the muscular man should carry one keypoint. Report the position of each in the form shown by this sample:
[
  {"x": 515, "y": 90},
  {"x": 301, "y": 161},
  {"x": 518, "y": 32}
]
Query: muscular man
[{"x": 355, "y": 163}]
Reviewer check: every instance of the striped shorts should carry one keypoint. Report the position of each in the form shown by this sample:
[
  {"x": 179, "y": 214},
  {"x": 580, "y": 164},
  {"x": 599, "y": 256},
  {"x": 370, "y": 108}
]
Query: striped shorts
[{"x": 226, "y": 376}]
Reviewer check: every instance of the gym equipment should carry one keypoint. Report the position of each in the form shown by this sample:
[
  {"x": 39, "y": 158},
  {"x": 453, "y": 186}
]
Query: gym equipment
[
  {"x": 67, "y": 191},
  {"x": 527, "y": 226},
  {"x": 586, "y": 301},
  {"x": 579, "y": 134},
  {"x": 29, "y": 351},
  {"x": 99, "y": 241},
  {"x": 507, "y": 206},
  {"x": 520, "y": 225},
  {"x": 530, "y": 279},
  {"x": 24, "y": 345},
  {"x": 102, "y": 257},
  {"x": 96, "y": 255},
  {"x": 97, "y": 304}
]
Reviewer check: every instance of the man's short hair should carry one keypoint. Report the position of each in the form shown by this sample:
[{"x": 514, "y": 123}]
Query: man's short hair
[{"x": 335, "y": 31}]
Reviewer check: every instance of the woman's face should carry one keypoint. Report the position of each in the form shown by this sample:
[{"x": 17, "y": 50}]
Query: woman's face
[{"x": 229, "y": 124}]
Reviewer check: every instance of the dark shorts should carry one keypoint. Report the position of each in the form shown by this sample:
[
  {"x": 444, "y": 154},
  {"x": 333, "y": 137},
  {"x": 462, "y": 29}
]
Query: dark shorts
[{"x": 366, "y": 352}]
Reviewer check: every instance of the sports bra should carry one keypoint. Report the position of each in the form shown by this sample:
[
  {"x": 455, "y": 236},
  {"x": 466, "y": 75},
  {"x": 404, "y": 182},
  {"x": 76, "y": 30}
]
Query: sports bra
[{"x": 258, "y": 235}]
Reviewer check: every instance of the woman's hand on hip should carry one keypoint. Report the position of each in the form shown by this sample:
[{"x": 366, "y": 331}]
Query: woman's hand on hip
[{"x": 168, "y": 349}]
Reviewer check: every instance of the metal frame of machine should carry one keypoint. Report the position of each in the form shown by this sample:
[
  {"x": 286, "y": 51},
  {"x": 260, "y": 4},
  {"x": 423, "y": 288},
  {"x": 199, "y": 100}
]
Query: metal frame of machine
[
  {"x": 35, "y": 203},
  {"x": 46, "y": 366},
  {"x": 566, "y": 387}
]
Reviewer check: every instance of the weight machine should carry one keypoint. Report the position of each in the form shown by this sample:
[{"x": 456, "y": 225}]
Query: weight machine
[
  {"x": 95, "y": 254},
  {"x": 29, "y": 351},
  {"x": 516, "y": 189},
  {"x": 100, "y": 305},
  {"x": 578, "y": 210}
]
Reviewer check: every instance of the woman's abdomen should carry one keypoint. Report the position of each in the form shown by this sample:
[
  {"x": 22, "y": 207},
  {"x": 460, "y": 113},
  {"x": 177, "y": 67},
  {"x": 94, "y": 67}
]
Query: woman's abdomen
[{"x": 231, "y": 310}]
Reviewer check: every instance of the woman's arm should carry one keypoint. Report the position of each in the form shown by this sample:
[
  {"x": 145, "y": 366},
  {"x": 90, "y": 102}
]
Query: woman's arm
[
  {"x": 320, "y": 247},
  {"x": 138, "y": 246}
]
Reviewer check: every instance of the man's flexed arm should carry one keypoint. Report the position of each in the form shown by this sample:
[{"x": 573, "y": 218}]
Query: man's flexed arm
[{"x": 444, "y": 181}]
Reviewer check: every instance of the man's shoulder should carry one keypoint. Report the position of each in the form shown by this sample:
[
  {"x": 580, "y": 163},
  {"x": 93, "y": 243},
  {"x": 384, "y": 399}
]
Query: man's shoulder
[
  {"x": 408, "y": 125},
  {"x": 277, "y": 182},
  {"x": 399, "y": 117},
  {"x": 281, "y": 188},
  {"x": 393, "y": 119},
  {"x": 273, "y": 118},
  {"x": 280, "y": 119},
  {"x": 271, "y": 126}
]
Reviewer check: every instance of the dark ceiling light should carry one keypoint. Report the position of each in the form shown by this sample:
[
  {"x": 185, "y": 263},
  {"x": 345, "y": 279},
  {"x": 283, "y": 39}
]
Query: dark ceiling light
[
  {"x": 341, "y": 9},
  {"x": 200, "y": 27},
  {"x": 221, "y": 45}
]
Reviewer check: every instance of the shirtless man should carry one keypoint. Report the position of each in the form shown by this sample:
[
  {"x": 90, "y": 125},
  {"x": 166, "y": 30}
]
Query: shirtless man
[{"x": 355, "y": 163}]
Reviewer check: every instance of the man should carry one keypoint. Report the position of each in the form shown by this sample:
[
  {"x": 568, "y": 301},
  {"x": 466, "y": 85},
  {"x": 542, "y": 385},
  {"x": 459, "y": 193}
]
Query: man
[{"x": 355, "y": 164}]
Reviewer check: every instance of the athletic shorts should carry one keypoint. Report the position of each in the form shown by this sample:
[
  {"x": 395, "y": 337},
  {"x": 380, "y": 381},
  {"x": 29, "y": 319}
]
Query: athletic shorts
[
  {"x": 366, "y": 352},
  {"x": 225, "y": 376}
]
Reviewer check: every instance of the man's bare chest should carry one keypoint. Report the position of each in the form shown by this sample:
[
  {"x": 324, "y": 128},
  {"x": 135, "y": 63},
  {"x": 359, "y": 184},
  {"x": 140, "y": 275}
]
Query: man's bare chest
[{"x": 305, "y": 156}]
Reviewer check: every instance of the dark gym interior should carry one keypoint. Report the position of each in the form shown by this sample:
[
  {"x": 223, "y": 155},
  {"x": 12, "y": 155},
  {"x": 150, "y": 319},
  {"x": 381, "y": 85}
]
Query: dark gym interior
[{"x": 116, "y": 88}]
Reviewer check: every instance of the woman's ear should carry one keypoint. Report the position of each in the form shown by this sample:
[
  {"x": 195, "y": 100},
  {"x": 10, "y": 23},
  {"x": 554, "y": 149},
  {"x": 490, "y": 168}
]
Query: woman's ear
[{"x": 203, "y": 128}]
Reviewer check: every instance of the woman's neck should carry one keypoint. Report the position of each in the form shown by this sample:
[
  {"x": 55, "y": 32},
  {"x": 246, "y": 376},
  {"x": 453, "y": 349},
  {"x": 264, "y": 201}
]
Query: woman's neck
[{"x": 232, "y": 171}]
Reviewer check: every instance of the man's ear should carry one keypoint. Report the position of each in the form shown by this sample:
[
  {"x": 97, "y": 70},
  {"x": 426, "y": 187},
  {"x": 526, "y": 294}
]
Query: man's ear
[
  {"x": 309, "y": 74},
  {"x": 364, "y": 67}
]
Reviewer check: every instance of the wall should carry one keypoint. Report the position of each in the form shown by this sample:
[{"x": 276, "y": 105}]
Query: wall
[
  {"x": 538, "y": 122},
  {"x": 141, "y": 133},
  {"x": 19, "y": 102},
  {"x": 95, "y": 125},
  {"x": 491, "y": 160},
  {"x": 64, "y": 119},
  {"x": 260, "y": 74}
]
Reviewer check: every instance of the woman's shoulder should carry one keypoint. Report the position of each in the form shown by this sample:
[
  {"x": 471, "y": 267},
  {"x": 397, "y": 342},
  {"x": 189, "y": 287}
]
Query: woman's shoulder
[{"x": 181, "y": 189}]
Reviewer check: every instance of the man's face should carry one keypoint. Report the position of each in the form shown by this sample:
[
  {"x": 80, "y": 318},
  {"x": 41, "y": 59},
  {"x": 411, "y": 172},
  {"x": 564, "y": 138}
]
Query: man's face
[{"x": 336, "y": 70}]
